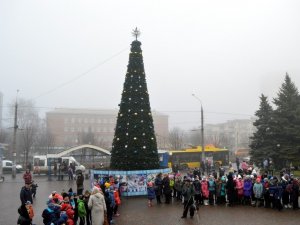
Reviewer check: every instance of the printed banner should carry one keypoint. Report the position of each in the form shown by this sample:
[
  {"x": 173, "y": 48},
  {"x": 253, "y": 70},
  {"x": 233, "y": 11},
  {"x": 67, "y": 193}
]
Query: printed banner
[{"x": 131, "y": 183}]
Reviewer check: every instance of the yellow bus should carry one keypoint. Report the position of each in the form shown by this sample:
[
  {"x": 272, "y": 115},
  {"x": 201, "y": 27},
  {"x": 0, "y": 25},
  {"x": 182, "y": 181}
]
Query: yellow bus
[{"x": 191, "y": 157}]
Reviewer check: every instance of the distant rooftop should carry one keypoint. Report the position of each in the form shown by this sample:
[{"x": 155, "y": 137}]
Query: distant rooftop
[
  {"x": 91, "y": 111},
  {"x": 82, "y": 111}
]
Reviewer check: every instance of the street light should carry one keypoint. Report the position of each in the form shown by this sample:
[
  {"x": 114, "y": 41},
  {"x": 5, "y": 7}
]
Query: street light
[
  {"x": 202, "y": 130},
  {"x": 14, "y": 144}
]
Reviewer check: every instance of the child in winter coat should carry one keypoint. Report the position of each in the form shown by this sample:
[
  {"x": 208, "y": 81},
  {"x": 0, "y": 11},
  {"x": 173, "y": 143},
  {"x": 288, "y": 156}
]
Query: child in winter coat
[
  {"x": 276, "y": 194},
  {"x": 221, "y": 190},
  {"x": 150, "y": 193},
  {"x": 81, "y": 210},
  {"x": 63, "y": 219},
  {"x": 117, "y": 201},
  {"x": 204, "y": 190},
  {"x": 51, "y": 214},
  {"x": 258, "y": 192},
  {"x": 239, "y": 186},
  {"x": 24, "y": 218},
  {"x": 109, "y": 202},
  {"x": 266, "y": 192},
  {"x": 70, "y": 214},
  {"x": 247, "y": 190},
  {"x": 212, "y": 189}
]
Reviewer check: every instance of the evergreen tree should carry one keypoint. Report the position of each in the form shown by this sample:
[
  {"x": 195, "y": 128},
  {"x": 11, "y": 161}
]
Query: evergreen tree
[
  {"x": 286, "y": 124},
  {"x": 261, "y": 141},
  {"x": 134, "y": 144}
]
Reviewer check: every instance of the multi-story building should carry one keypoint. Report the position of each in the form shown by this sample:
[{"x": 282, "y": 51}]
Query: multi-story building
[
  {"x": 234, "y": 134},
  {"x": 70, "y": 127}
]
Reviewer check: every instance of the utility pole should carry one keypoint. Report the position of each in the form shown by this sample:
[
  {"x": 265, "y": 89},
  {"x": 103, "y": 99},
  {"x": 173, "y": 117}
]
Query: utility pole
[
  {"x": 202, "y": 135},
  {"x": 202, "y": 132},
  {"x": 14, "y": 144}
]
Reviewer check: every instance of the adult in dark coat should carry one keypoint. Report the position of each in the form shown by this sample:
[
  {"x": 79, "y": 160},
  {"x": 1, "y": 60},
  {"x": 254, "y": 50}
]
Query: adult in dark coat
[
  {"x": 79, "y": 182},
  {"x": 158, "y": 187},
  {"x": 167, "y": 189},
  {"x": 26, "y": 194},
  {"x": 188, "y": 191},
  {"x": 230, "y": 189}
]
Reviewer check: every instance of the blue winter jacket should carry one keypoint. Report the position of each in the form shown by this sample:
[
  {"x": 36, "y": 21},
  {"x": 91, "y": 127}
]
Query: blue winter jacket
[{"x": 151, "y": 193}]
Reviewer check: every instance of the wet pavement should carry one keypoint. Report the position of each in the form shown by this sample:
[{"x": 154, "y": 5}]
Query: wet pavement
[{"x": 135, "y": 210}]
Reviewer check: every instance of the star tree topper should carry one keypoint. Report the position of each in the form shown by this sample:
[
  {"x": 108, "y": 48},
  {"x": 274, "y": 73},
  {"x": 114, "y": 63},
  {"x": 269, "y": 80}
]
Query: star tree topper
[{"x": 136, "y": 33}]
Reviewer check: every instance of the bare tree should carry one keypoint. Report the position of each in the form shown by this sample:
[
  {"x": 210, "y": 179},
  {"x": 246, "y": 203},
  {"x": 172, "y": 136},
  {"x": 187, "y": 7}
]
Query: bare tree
[
  {"x": 4, "y": 136},
  {"x": 176, "y": 138},
  {"x": 28, "y": 124},
  {"x": 44, "y": 140}
]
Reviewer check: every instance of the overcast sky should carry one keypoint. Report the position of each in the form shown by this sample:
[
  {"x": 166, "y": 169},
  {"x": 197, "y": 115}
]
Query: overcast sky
[{"x": 75, "y": 53}]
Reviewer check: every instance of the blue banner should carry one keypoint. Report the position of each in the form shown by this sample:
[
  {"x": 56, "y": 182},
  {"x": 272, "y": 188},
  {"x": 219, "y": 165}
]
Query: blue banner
[{"x": 131, "y": 183}]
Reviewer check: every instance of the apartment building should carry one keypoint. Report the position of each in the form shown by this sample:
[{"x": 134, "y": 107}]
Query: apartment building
[{"x": 70, "y": 127}]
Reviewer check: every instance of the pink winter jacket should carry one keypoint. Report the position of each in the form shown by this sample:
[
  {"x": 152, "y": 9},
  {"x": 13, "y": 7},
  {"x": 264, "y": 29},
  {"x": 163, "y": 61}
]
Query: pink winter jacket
[
  {"x": 204, "y": 188},
  {"x": 239, "y": 186}
]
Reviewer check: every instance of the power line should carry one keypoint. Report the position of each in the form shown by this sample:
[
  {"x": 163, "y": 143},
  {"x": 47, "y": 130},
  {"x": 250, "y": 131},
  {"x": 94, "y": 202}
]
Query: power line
[
  {"x": 80, "y": 75},
  {"x": 161, "y": 111},
  {"x": 206, "y": 112}
]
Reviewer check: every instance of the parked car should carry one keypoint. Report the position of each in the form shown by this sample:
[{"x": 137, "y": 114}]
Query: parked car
[{"x": 7, "y": 166}]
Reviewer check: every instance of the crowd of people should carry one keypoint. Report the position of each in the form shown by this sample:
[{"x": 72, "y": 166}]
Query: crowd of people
[
  {"x": 193, "y": 189},
  {"x": 242, "y": 187},
  {"x": 97, "y": 206}
]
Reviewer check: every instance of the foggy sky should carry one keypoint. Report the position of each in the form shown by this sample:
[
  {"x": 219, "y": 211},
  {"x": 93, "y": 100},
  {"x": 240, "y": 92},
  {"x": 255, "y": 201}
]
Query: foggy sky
[{"x": 75, "y": 54}]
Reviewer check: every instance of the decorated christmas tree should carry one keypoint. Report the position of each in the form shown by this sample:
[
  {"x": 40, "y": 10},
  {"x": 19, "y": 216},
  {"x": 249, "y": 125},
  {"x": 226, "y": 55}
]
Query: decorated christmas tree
[{"x": 134, "y": 145}]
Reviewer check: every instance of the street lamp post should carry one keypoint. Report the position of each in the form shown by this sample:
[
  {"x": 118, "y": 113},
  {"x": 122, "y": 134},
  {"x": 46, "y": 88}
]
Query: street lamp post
[
  {"x": 14, "y": 144},
  {"x": 202, "y": 131}
]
